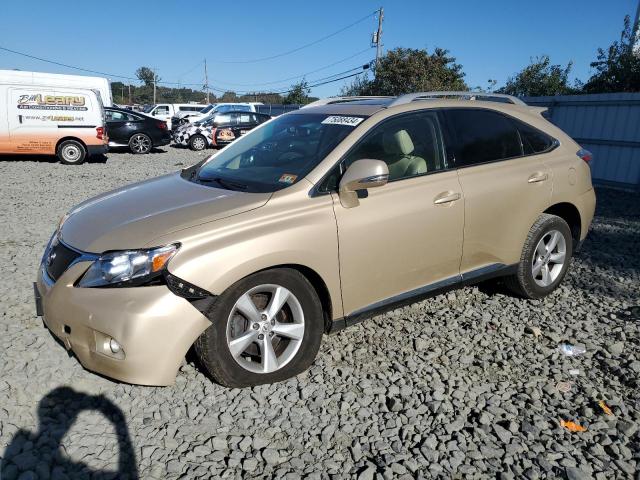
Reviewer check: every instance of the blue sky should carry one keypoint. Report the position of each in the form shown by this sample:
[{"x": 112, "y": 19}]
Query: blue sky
[{"x": 491, "y": 39}]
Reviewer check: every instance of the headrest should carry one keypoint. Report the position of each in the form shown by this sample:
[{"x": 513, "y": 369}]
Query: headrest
[{"x": 397, "y": 143}]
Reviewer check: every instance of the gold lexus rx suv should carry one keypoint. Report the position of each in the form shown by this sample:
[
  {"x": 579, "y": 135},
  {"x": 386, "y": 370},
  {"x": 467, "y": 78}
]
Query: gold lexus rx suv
[{"x": 312, "y": 222}]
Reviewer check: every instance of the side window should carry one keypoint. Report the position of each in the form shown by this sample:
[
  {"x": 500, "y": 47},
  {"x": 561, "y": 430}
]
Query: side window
[
  {"x": 161, "y": 110},
  {"x": 222, "y": 118},
  {"x": 410, "y": 145},
  {"x": 114, "y": 116},
  {"x": 533, "y": 140},
  {"x": 483, "y": 136}
]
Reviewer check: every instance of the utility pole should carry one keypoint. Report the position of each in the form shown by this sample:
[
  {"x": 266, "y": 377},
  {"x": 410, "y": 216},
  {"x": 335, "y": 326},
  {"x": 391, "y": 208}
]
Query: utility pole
[
  {"x": 379, "y": 35},
  {"x": 130, "y": 103},
  {"x": 206, "y": 80},
  {"x": 635, "y": 37},
  {"x": 155, "y": 81},
  {"x": 122, "y": 93}
]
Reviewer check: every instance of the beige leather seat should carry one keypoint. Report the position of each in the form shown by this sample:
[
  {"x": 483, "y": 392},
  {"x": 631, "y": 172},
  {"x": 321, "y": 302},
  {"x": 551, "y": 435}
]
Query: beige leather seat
[{"x": 398, "y": 148}]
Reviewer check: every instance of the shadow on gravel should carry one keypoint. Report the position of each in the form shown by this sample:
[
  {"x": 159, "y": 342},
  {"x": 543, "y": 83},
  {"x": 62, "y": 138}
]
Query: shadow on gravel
[
  {"x": 41, "y": 452},
  {"x": 49, "y": 158}
]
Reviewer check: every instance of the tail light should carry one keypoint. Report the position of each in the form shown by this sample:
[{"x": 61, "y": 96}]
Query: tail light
[
  {"x": 585, "y": 155},
  {"x": 99, "y": 133},
  {"x": 162, "y": 125}
]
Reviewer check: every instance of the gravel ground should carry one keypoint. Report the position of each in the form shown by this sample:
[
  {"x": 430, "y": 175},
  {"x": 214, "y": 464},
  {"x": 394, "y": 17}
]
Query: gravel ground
[{"x": 464, "y": 385}]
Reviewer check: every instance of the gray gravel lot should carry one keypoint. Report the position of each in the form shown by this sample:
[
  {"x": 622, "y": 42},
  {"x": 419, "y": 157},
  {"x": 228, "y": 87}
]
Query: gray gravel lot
[{"x": 460, "y": 386}]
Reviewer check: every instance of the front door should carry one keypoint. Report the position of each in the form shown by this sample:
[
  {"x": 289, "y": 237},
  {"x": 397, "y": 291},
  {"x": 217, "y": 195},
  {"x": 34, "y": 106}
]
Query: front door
[{"x": 406, "y": 235}]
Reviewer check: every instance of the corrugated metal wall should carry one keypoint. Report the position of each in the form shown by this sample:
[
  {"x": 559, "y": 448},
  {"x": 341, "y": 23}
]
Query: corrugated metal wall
[{"x": 608, "y": 124}]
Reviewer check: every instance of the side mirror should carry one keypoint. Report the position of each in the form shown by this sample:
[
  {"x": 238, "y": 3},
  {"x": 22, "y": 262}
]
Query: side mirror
[{"x": 361, "y": 175}]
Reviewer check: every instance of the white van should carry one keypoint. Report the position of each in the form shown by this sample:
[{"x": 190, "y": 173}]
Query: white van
[
  {"x": 164, "y": 111},
  {"x": 100, "y": 84},
  {"x": 50, "y": 119}
]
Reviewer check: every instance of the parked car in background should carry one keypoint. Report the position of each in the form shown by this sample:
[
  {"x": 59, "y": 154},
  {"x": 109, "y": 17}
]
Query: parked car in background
[
  {"x": 139, "y": 132},
  {"x": 37, "y": 117},
  {"x": 184, "y": 117},
  {"x": 165, "y": 111},
  {"x": 218, "y": 129}
]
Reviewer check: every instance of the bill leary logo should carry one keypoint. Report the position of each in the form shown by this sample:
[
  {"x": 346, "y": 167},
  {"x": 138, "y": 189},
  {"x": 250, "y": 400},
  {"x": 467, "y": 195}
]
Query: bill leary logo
[{"x": 52, "y": 102}]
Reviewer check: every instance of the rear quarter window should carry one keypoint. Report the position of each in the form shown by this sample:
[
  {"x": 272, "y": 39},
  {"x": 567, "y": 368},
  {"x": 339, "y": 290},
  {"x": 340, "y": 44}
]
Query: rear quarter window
[{"x": 534, "y": 140}]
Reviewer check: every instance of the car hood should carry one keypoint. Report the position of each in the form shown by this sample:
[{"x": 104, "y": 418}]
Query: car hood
[{"x": 133, "y": 216}]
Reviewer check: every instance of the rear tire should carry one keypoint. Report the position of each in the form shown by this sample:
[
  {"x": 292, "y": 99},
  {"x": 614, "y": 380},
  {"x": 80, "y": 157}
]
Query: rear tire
[
  {"x": 71, "y": 152},
  {"x": 197, "y": 142},
  {"x": 545, "y": 258},
  {"x": 253, "y": 341},
  {"x": 140, "y": 144}
]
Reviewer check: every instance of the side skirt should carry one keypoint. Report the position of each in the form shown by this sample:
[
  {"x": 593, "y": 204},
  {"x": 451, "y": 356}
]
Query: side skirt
[{"x": 422, "y": 293}]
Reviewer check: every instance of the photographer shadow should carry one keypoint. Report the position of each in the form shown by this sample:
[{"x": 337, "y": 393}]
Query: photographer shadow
[{"x": 42, "y": 452}]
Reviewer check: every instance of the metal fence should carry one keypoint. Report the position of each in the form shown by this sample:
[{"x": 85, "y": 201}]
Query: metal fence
[
  {"x": 276, "y": 109},
  {"x": 608, "y": 124}
]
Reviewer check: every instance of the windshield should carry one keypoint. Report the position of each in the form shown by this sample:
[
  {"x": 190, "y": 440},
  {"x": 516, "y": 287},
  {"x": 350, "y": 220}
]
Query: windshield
[
  {"x": 207, "y": 109},
  {"x": 147, "y": 108},
  {"x": 277, "y": 154}
]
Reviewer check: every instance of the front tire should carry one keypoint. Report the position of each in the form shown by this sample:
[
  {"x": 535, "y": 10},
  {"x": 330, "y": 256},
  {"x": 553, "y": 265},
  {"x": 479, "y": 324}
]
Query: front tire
[
  {"x": 140, "y": 144},
  {"x": 197, "y": 142},
  {"x": 545, "y": 258},
  {"x": 71, "y": 152},
  {"x": 265, "y": 328}
]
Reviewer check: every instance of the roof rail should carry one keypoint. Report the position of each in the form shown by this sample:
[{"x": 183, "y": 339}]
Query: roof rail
[
  {"x": 410, "y": 97},
  {"x": 330, "y": 100}
]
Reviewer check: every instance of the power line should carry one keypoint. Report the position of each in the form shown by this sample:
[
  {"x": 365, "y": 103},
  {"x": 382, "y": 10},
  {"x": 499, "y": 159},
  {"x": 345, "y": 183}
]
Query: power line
[
  {"x": 220, "y": 82},
  {"x": 66, "y": 65},
  {"x": 310, "y": 44},
  {"x": 323, "y": 80}
]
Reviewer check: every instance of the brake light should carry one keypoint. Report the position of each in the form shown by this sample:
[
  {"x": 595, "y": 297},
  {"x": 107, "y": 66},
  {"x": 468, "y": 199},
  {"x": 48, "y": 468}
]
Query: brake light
[
  {"x": 162, "y": 125},
  {"x": 585, "y": 155},
  {"x": 99, "y": 133}
]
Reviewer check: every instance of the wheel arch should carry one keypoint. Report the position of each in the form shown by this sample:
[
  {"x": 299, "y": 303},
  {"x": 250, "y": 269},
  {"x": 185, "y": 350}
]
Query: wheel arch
[
  {"x": 570, "y": 214},
  {"x": 64, "y": 139}
]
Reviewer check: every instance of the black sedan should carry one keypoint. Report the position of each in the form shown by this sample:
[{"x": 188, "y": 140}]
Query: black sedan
[
  {"x": 135, "y": 130},
  {"x": 218, "y": 129}
]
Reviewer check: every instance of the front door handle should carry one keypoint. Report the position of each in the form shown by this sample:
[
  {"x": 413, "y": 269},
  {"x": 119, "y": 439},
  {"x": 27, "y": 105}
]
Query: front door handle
[
  {"x": 538, "y": 177},
  {"x": 446, "y": 197}
]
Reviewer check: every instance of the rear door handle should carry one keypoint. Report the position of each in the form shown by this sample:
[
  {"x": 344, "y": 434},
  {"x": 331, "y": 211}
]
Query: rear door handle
[
  {"x": 446, "y": 197},
  {"x": 538, "y": 177}
]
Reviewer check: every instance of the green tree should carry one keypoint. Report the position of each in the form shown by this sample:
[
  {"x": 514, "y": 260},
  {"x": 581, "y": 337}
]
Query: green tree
[
  {"x": 298, "y": 93},
  {"x": 406, "y": 70},
  {"x": 618, "y": 67},
  {"x": 147, "y": 76},
  {"x": 540, "y": 78}
]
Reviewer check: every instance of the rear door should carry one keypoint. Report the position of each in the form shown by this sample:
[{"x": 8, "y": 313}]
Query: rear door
[
  {"x": 505, "y": 189},
  {"x": 119, "y": 127}
]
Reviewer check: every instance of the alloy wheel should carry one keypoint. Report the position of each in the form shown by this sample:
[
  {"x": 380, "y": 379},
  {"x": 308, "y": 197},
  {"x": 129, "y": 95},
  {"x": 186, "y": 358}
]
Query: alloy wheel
[
  {"x": 265, "y": 328},
  {"x": 140, "y": 144},
  {"x": 549, "y": 258},
  {"x": 198, "y": 143}
]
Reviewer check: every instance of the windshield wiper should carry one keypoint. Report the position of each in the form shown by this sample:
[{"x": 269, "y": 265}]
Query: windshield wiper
[{"x": 227, "y": 184}]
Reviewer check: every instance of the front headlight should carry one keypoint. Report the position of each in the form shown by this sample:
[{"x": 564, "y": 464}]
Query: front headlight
[{"x": 128, "y": 267}]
